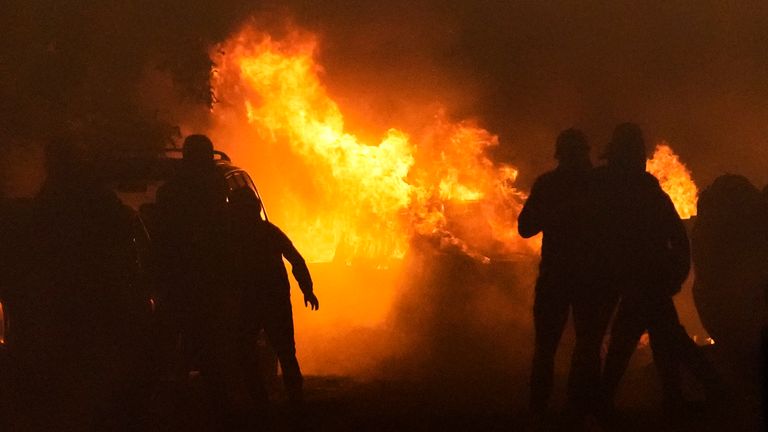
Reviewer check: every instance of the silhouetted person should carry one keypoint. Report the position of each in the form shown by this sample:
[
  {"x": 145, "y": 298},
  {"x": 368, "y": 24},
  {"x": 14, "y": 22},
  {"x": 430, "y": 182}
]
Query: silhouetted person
[
  {"x": 645, "y": 252},
  {"x": 262, "y": 280},
  {"x": 80, "y": 320},
  {"x": 730, "y": 252},
  {"x": 730, "y": 258},
  {"x": 192, "y": 238},
  {"x": 558, "y": 207}
]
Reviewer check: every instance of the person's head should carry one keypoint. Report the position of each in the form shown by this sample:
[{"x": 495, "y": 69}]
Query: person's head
[
  {"x": 198, "y": 151},
  {"x": 627, "y": 148},
  {"x": 245, "y": 199},
  {"x": 572, "y": 149}
]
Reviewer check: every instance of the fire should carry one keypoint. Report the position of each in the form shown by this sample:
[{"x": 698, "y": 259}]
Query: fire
[
  {"x": 353, "y": 206},
  {"x": 2, "y": 325},
  {"x": 342, "y": 199},
  {"x": 675, "y": 179}
]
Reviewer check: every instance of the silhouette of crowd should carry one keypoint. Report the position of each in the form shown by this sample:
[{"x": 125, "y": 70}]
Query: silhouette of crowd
[
  {"x": 106, "y": 336},
  {"x": 108, "y": 333},
  {"x": 615, "y": 252}
]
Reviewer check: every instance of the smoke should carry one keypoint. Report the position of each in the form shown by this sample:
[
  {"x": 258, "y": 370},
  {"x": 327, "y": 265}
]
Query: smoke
[
  {"x": 440, "y": 318},
  {"x": 694, "y": 75},
  {"x": 76, "y": 66}
]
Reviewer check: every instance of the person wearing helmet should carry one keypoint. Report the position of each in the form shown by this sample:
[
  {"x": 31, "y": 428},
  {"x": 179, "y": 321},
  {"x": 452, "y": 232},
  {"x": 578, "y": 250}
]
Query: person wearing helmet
[
  {"x": 644, "y": 252},
  {"x": 262, "y": 283},
  {"x": 558, "y": 207},
  {"x": 192, "y": 259}
]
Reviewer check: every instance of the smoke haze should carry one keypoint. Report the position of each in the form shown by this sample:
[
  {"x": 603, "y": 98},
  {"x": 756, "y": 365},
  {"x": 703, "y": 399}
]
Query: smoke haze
[{"x": 694, "y": 74}]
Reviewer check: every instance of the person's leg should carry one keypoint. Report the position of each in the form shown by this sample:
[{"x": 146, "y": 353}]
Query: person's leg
[
  {"x": 278, "y": 324},
  {"x": 248, "y": 348},
  {"x": 592, "y": 310},
  {"x": 550, "y": 314},
  {"x": 672, "y": 347},
  {"x": 662, "y": 330},
  {"x": 628, "y": 326}
]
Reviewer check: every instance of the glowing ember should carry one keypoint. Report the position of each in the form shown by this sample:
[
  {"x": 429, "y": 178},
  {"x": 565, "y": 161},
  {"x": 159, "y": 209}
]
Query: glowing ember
[
  {"x": 2, "y": 325},
  {"x": 675, "y": 179},
  {"x": 343, "y": 199}
]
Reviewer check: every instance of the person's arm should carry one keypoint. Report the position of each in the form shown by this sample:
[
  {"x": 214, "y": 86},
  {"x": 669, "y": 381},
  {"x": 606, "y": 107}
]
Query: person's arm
[
  {"x": 530, "y": 222},
  {"x": 299, "y": 269}
]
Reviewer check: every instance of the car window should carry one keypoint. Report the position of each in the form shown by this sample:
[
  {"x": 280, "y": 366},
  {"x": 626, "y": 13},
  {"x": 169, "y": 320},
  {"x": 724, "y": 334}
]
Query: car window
[
  {"x": 249, "y": 182},
  {"x": 235, "y": 181}
]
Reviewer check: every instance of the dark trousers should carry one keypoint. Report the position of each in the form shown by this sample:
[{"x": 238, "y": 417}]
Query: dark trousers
[
  {"x": 271, "y": 312},
  {"x": 669, "y": 341},
  {"x": 591, "y": 312}
]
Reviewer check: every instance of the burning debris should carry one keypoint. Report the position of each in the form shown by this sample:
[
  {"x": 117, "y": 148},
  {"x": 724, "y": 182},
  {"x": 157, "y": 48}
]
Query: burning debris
[{"x": 348, "y": 199}]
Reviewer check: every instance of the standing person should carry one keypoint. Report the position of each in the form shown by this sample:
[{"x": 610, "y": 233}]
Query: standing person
[
  {"x": 646, "y": 254},
  {"x": 558, "y": 207},
  {"x": 80, "y": 317},
  {"x": 193, "y": 252},
  {"x": 265, "y": 292}
]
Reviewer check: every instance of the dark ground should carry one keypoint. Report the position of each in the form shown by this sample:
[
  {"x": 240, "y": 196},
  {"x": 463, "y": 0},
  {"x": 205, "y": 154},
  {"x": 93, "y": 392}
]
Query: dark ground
[
  {"x": 347, "y": 404},
  {"x": 335, "y": 403}
]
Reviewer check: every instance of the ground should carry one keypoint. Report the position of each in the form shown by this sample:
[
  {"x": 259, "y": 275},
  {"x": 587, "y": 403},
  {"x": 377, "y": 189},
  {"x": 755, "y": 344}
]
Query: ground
[{"x": 347, "y": 404}]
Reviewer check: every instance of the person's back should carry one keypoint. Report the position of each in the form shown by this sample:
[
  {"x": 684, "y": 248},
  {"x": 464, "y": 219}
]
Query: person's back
[
  {"x": 636, "y": 221},
  {"x": 261, "y": 246},
  {"x": 262, "y": 281},
  {"x": 559, "y": 207},
  {"x": 193, "y": 223},
  {"x": 561, "y": 197},
  {"x": 644, "y": 250}
]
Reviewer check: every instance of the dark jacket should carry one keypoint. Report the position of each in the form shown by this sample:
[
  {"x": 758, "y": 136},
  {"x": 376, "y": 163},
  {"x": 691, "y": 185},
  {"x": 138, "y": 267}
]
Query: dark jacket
[
  {"x": 638, "y": 237},
  {"x": 193, "y": 230},
  {"x": 259, "y": 250},
  {"x": 558, "y": 207}
]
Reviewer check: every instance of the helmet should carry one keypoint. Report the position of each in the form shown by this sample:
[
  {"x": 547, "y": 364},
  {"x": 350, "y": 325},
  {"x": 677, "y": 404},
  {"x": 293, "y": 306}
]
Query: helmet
[{"x": 198, "y": 149}]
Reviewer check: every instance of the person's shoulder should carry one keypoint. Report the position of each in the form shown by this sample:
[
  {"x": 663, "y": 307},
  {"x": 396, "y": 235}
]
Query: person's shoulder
[
  {"x": 546, "y": 179},
  {"x": 274, "y": 229},
  {"x": 651, "y": 184},
  {"x": 650, "y": 180},
  {"x": 549, "y": 176}
]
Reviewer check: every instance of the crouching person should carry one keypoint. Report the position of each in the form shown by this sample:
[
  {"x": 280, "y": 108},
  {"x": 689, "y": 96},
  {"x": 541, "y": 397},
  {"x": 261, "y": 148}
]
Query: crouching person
[{"x": 265, "y": 293}]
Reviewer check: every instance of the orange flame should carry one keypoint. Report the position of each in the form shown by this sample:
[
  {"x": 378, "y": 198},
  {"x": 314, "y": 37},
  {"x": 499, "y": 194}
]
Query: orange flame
[
  {"x": 675, "y": 179},
  {"x": 340, "y": 198}
]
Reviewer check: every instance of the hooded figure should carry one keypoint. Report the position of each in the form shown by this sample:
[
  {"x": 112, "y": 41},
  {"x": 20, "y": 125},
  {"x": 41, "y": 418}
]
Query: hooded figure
[{"x": 644, "y": 252}]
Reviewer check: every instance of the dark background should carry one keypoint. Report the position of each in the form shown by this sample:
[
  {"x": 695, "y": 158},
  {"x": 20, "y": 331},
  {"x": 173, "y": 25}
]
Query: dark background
[{"x": 692, "y": 72}]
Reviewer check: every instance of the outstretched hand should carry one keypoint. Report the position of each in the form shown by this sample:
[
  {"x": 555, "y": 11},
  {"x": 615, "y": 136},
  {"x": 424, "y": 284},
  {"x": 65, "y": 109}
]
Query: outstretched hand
[{"x": 310, "y": 300}]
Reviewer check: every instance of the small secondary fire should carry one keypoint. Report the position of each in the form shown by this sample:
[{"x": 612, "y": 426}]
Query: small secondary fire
[{"x": 675, "y": 179}]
